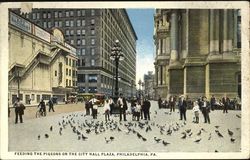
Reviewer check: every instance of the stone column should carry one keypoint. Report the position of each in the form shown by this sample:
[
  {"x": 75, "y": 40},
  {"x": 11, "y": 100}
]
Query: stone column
[
  {"x": 216, "y": 30},
  {"x": 212, "y": 33},
  {"x": 164, "y": 46},
  {"x": 225, "y": 31},
  {"x": 174, "y": 36},
  {"x": 156, "y": 75},
  {"x": 230, "y": 31},
  {"x": 164, "y": 19},
  {"x": 235, "y": 28},
  {"x": 159, "y": 46}
]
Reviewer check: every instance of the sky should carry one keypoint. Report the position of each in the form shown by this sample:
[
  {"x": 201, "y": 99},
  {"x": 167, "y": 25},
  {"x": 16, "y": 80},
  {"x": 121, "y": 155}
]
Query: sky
[{"x": 143, "y": 23}]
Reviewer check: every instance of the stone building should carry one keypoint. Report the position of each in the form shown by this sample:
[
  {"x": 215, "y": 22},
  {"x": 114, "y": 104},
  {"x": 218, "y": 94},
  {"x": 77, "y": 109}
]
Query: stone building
[
  {"x": 203, "y": 53},
  {"x": 93, "y": 33},
  {"x": 149, "y": 86},
  {"x": 38, "y": 62}
]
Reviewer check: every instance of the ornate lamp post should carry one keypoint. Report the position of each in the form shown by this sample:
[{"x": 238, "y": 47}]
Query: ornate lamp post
[
  {"x": 142, "y": 85},
  {"x": 140, "y": 82},
  {"x": 116, "y": 55}
]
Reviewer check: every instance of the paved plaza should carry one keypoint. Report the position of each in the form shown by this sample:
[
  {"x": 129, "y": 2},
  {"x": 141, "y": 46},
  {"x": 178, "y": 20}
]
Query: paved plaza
[{"x": 73, "y": 131}]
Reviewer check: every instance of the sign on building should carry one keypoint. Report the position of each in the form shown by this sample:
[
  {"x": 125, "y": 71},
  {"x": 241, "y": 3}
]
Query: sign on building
[
  {"x": 41, "y": 33},
  {"x": 20, "y": 22}
]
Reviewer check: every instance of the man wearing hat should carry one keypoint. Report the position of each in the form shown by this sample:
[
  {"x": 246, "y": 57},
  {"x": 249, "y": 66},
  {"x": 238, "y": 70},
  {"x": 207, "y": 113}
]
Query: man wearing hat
[
  {"x": 182, "y": 107},
  {"x": 122, "y": 107},
  {"x": 19, "y": 110},
  {"x": 205, "y": 108}
]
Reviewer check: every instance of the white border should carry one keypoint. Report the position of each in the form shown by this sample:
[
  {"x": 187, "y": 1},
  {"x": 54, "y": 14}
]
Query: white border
[{"x": 245, "y": 61}]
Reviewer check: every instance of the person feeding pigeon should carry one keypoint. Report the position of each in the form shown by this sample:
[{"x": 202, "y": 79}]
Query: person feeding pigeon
[
  {"x": 106, "y": 109},
  {"x": 94, "y": 101},
  {"x": 196, "y": 112}
]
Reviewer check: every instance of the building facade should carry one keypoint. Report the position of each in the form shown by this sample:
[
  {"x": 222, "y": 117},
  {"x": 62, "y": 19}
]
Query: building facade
[
  {"x": 93, "y": 32},
  {"x": 204, "y": 56},
  {"x": 149, "y": 91},
  {"x": 37, "y": 63}
]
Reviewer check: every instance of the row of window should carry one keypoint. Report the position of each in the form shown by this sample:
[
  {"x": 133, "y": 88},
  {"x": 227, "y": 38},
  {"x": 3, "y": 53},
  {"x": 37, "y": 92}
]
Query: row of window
[
  {"x": 59, "y": 14},
  {"x": 82, "y": 51},
  {"x": 92, "y": 78},
  {"x": 80, "y": 42},
  {"x": 69, "y": 60},
  {"x": 82, "y": 62},
  {"x": 78, "y": 32},
  {"x": 90, "y": 90},
  {"x": 68, "y": 83},
  {"x": 68, "y": 23},
  {"x": 69, "y": 71}
]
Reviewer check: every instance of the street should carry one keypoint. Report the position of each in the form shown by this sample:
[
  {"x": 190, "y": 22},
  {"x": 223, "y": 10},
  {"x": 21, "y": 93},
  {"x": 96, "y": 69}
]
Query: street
[{"x": 81, "y": 133}]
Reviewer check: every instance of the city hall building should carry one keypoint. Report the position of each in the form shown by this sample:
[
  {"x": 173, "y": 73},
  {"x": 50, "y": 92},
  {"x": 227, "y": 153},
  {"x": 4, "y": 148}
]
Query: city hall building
[
  {"x": 41, "y": 63},
  {"x": 198, "y": 52},
  {"x": 93, "y": 32}
]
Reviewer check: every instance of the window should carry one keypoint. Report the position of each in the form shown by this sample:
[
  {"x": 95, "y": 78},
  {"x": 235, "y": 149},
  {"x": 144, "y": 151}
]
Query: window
[
  {"x": 81, "y": 89},
  {"x": 92, "y": 78},
  {"x": 38, "y": 15},
  {"x": 78, "y": 32},
  {"x": 83, "y": 22},
  {"x": 83, "y": 42},
  {"x": 60, "y": 23},
  {"x": 71, "y": 13},
  {"x": 78, "y": 13},
  {"x": 83, "y": 51},
  {"x": 69, "y": 82},
  {"x": 49, "y": 24},
  {"x": 83, "y": 62},
  {"x": 34, "y": 16},
  {"x": 71, "y": 41},
  {"x": 67, "y": 71},
  {"x": 60, "y": 14},
  {"x": 66, "y": 61},
  {"x": 78, "y": 23},
  {"x": 78, "y": 42},
  {"x": 92, "y": 21},
  {"x": 44, "y": 24},
  {"x": 83, "y": 32},
  {"x": 44, "y": 15},
  {"x": 71, "y": 32},
  {"x": 67, "y": 32},
  {"x": 56, "y": 14},
  {"x": 92, "y": 31},
  {"x": 72, "y": 23},
  {"x": 93, "y": 41},
  {"x": 49, "y": 15},
  {"x": 92, "y": 12},
  {"x": 67, "y": 13},
  {"x": 70, "y": 71},
  {"x": 92, "y": 62},
  {"x": 56, "y": 23},
  {"x": 78, "y": 51},
  {"x": 92, "y": 51},
  {"x": 92, "y": 89},
  {"x": 55, "y": 73},
  {"x": 69, "y": 62},
  {"x": 66, "y": 82},
  {"x": 83, "y": 12},
  {"x": 67, "y": 24},
  {"x": 81, "y": 78}
]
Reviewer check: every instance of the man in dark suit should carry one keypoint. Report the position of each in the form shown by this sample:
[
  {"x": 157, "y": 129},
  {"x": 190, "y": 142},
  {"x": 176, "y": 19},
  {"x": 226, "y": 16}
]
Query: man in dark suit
[
  {"x": 182, "y": 107},
  {"x": 19, "y": 110},
  {"x": 172, "y": 100},
  {"x": 205, "y": 109},
  {"x": 122, "y": 107},
  {"x": 212, "y": 102},
  {"x": 147, "y": 106},
  {"x": 226, "y": 102},
  {"x": 159, "y": 102}
]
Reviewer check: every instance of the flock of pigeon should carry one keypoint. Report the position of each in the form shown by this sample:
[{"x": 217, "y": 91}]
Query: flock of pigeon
[{"x": 83, "y": 128}]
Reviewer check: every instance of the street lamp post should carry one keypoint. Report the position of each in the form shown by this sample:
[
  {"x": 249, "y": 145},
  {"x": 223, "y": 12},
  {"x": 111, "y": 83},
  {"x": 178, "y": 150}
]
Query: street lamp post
[
  {"x": 142, "y": 85},
  {"x": 116, "y": 55},
  {"x": 140, "y": 82}
]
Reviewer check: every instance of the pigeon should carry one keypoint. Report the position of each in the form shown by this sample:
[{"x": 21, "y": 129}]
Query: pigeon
[
  {"x": 230, "y": 132},
  {"x": 203, "y": 129},
  {"x": 83, "y": 137},
  {"x": 38, "y": 137},
  {"x": 155, "y": 112},
  {"x": 238, "y": 116},
  {"x": 139, "y": 135},
  {"x": 79, "y": 137},
  {"x": 184, "y": 136},
  {"x": 197, "y": 140},
  {"x": 217, "y": 127},
  {"x": 51, "y": 128},
  {"x": 232, "y": 140},
  {"x": 209, "y": 136},
  {"x": 199, "y": 133},
  {"x": 157, "y": 139},
  {"x": 190, "y": 134},
  {"x": 165, "y": 143},
  {"x": 219, "y": 134},
  {"x": 161, "y": 132},
  {"x": 60, "y": 132},
  {"x": 144, "y": 139},
  {"x": 216, "y": 151},
  {"x": 119, "y": 129},
  {"x": 88, "y": 131},
  {"x": 188, "y": 130},
  {"x": 112, "y": 138},
  {"x": 46, "y": 136},
  {"x": 107, "y": 140}
]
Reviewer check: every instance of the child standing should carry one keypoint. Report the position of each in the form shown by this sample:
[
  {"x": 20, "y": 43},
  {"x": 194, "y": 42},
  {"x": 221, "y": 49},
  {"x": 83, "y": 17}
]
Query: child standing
[
  {"x": 138, "y": 110},
  {"x": 196, "y": 111}
]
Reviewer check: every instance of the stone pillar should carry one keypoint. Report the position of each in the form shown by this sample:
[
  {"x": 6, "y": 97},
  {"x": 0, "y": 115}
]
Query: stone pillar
[
  {"x": 225, "y": 31},
  {"x": 159, "y": 46},
  {"x": 235, "y": 28},
  {"x": 164, "y": 46},
  {"x": 174, "y": 36},
  {"x": 212, "y": 32},
  {"x": 216, "y": 30},
  {"x": 164, "y": 19},
  {"x": 156, "y": 75},
  {"x": 230, "y": 31}
]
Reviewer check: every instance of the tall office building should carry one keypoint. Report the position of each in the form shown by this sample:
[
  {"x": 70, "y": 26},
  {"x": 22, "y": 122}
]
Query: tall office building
[
  {"x": 201, "y": 50},
  {"x": 93, "y": 32}
]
